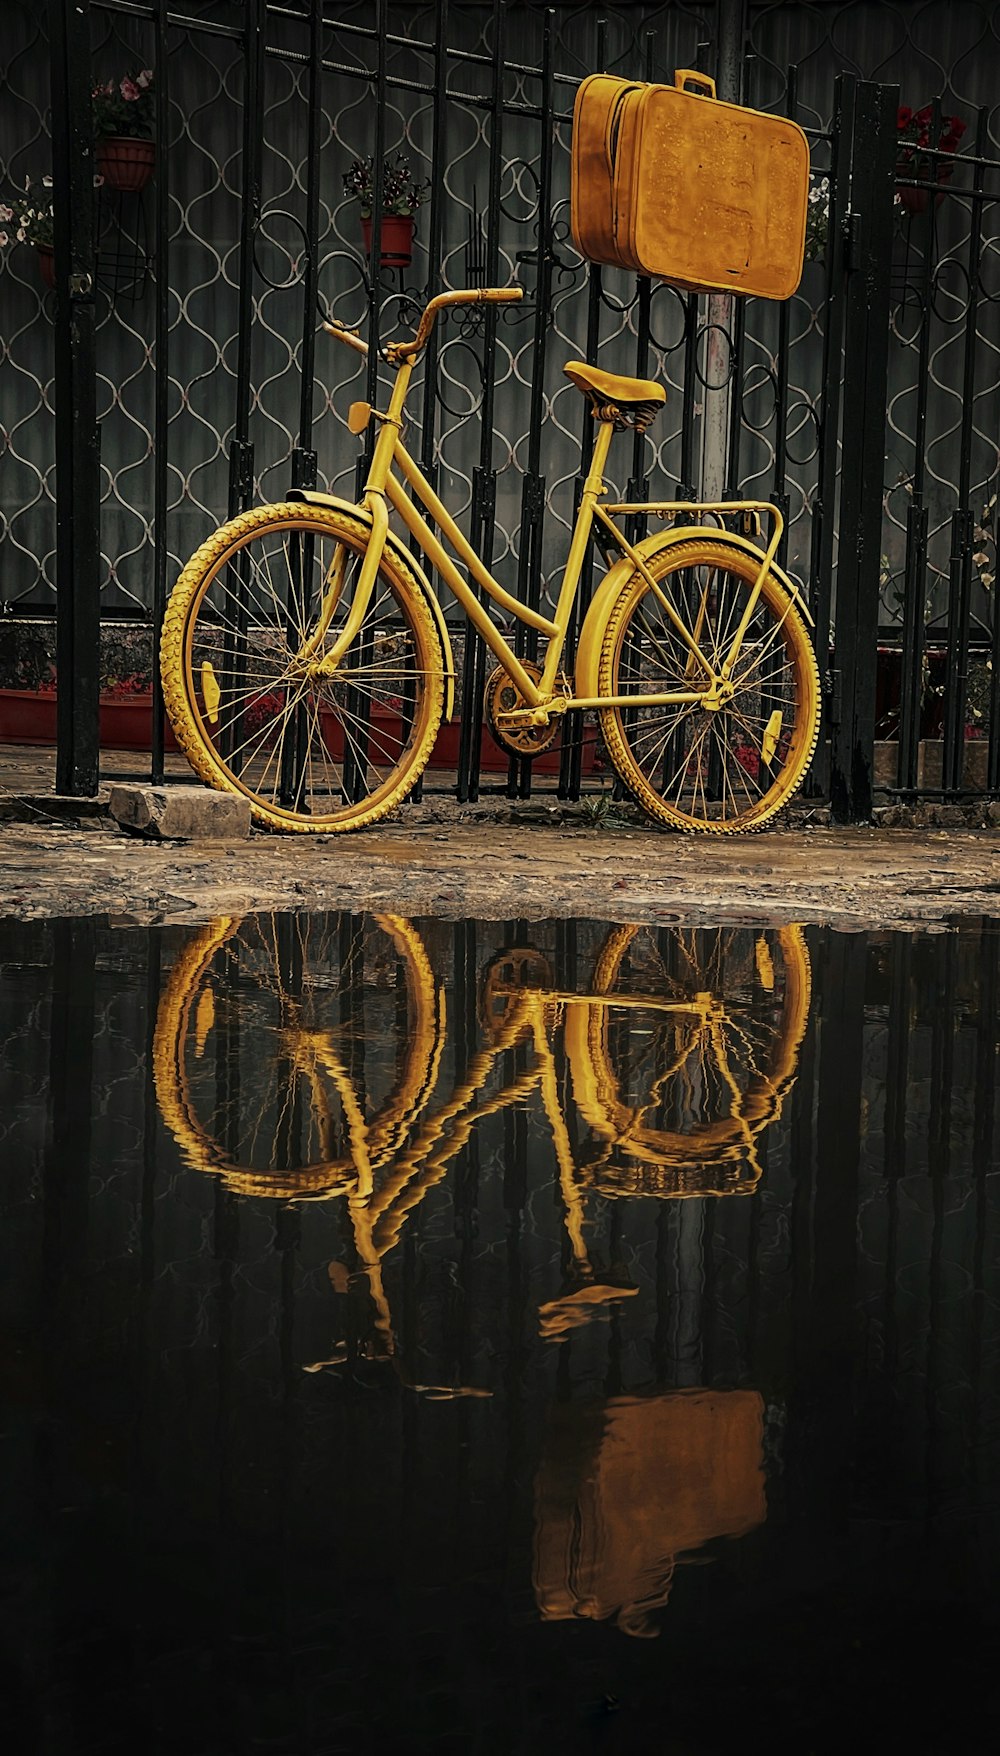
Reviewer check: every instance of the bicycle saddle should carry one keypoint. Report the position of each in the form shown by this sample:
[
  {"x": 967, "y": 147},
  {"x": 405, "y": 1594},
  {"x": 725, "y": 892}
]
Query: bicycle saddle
[{"x": 631, "y": 402}]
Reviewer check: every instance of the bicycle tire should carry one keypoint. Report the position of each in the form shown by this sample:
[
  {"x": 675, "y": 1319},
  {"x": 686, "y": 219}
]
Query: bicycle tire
[
  {"x": 730, "y": 770},
  {"x": 227, "y": 1095},
  {"x": 714, "y": 1095},
  {"x": 311, "y": 755}
]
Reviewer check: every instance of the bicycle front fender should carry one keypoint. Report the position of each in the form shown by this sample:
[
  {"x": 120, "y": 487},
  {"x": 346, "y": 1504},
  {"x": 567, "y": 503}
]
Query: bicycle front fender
[
  {"x": 313, "y": 497},
  {"x": 588, "y": 652}
]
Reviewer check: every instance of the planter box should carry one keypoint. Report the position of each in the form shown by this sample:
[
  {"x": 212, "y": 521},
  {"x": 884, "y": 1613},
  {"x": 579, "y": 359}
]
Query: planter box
[
  {"x": 28, "y": 716},
  {"x": 445, "y": 753}
]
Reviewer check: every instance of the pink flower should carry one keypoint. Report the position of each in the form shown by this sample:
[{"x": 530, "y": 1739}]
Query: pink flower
[
  {"x": 129, "y": 90},
  {"x": 144, "y": 78},
  {"x": 6, "y": 213}
]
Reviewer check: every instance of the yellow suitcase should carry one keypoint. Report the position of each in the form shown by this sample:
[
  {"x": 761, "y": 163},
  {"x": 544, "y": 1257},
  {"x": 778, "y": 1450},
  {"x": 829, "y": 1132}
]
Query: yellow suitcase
[{"x": 668, "y": 181}]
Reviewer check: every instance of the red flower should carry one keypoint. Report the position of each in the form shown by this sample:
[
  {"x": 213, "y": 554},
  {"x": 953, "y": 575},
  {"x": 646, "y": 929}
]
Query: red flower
[{"x": 904, "y": 116}]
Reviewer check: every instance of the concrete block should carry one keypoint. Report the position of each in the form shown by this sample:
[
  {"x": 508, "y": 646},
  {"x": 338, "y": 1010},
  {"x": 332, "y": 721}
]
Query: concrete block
[{"x": 180, "y": 813}]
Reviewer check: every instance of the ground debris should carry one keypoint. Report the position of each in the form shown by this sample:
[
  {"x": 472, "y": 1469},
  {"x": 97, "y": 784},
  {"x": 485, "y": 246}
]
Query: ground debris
[{"x": 529, "y": 867}]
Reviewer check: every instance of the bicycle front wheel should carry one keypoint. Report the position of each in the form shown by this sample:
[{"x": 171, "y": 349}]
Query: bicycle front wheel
[
  {"x": 242, "y": 636},
  {"x": 725, "y": 769}
]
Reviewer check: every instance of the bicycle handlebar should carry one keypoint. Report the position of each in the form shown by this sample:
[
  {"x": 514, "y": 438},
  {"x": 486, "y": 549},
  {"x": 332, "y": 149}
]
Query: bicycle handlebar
[{"x": 399, "y": 351}]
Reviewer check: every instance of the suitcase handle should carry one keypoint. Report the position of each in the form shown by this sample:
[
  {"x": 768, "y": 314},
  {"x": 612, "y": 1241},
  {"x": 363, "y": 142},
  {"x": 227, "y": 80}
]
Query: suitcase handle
[{"x": 690, "y": 76}]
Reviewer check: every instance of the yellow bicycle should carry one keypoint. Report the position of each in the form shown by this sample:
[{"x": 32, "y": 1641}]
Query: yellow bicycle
[{"x": 307, "y": 664}]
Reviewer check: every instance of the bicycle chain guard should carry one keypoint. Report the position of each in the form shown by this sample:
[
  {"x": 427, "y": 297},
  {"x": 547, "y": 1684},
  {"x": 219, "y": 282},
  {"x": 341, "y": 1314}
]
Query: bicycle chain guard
[{"x": 504, "y": 697}]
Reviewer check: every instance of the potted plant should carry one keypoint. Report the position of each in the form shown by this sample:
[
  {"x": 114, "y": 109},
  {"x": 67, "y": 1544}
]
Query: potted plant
[
  {"x": 30, "y": 217},
  {"x": 401, "y": 197},
  {"x": 817, "y": 218},
  {"x": 914, "y": 128},
  {"x": 123, "y": 130}
]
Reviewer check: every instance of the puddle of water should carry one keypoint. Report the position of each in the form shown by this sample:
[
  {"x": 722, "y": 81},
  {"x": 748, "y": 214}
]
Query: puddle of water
[{"x": 485, "y": 1337}]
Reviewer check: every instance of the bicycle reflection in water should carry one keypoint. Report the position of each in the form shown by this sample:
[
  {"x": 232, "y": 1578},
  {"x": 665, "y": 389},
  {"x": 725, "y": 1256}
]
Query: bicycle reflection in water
[{"x": 678, "y": 1054}]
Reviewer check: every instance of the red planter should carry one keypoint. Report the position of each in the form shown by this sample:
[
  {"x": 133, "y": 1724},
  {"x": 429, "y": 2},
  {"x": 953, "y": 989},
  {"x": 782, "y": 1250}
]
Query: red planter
[
  {"x": 916, "y": 201},
  {"x": 46, "y": 264},
  {"x": 28, "y": 716},
  {"x": 125, "y": 163},
  {"x": 397, "y": 239},
  {"x": 493, "y": 760}
]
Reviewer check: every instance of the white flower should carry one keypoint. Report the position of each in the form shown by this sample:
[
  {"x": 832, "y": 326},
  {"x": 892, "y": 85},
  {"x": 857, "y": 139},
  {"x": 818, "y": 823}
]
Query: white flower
[
  {"x": 21, "y": 235},
  {"x": 3, "y": 239},
  {"x": 6, "y": 213},
  {"x": 46, "y": 182}
]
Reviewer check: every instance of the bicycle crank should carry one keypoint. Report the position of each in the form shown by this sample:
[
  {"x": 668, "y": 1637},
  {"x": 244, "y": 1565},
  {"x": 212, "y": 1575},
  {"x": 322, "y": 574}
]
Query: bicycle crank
[{"x": 503, "y": 698}]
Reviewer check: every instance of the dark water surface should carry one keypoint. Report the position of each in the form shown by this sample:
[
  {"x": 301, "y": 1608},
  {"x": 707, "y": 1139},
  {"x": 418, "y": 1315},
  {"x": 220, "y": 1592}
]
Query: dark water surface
[{"x": 498, "y": 1338}]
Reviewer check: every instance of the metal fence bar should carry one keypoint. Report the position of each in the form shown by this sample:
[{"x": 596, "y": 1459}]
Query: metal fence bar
[
  {"x": 78, "y": 657},
  {"x": 825, "y": 504},
  {"x": 960, "y": 593},
  {"x": 484, "y": 480},
  {"x": 161, "y": 414},
  {"x": 519, "y": 773},
  {"x": 866, "y": 345}
]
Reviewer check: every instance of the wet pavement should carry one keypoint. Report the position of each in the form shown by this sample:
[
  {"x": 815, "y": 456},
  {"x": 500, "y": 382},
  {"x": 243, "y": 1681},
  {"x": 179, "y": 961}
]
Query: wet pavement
[
  {"x": 494, "y": 858},
  {"x": 498, "y": 1336}
]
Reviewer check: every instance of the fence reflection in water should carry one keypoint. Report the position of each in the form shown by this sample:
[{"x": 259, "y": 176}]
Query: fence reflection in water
[{"x": 468, "y": 1157}]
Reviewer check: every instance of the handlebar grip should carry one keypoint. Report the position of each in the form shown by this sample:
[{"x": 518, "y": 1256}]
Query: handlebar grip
[
  {"x": 503, "y": 295},
  {"x": 347, "y": 336}
]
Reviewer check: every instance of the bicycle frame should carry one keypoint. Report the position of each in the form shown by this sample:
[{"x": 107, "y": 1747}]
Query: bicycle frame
[{"x": 544, "y": 697}]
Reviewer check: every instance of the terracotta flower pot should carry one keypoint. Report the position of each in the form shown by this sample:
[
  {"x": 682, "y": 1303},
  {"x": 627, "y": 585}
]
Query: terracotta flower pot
[
  {"x": 47, "y": 264},
  {"x": 397, "y": 239},
  {"x": 913, "y": 200},
  {"x": 125, "y": 163}
]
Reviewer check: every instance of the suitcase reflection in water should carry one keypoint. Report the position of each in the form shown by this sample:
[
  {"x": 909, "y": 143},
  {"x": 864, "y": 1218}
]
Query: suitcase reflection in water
[{"x": 629, "y": 1489}]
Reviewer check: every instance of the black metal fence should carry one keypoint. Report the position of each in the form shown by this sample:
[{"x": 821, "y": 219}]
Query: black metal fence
[{"x": 185, "y": 334}]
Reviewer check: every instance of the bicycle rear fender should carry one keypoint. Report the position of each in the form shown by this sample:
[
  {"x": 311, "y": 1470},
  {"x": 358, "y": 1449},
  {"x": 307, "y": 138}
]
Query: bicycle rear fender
[
  {"x": 313, "y": 497},
  {"x": 588, "y": 650}
]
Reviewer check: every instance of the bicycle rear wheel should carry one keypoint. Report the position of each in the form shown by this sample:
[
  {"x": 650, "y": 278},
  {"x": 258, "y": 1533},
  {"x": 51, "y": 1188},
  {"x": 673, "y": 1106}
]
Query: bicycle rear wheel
[
  {"x": 310, "y": 753},
  {"x": 729, "y": 769}
]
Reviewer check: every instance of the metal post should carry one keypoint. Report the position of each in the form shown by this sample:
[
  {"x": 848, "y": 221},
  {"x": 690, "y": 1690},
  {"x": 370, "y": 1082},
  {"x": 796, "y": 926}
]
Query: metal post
[
  {"x": 241, "y": 455},
  {"x": 731, "y": 29},
  {"x": 852, "y": 754},
  {"x": 161, "y": 415},
  {"x": 484, "y": 478},
  {"x": 78, "y": 639},
  {"x": 835, "y": 308}
]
